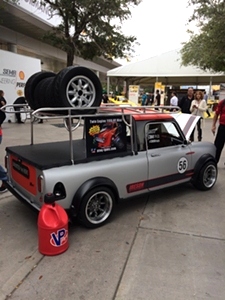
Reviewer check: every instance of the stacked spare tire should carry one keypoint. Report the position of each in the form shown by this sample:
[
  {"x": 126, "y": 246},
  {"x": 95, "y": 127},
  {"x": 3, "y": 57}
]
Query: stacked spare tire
[{"x": 76, "y": 87}]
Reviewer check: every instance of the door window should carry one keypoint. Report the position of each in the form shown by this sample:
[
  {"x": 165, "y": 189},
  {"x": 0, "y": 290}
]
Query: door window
[{"x": 163, "y": 134}]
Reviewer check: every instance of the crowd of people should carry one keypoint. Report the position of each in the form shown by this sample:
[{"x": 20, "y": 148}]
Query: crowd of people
[{"x": 195, "y": 103}]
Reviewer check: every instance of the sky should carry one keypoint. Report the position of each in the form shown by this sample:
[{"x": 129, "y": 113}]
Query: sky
[{"x": 159, "y": 26}]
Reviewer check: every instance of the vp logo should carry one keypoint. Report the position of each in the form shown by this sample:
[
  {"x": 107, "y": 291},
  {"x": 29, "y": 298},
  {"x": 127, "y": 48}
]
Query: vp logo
[{"x": 60, "y": 238}]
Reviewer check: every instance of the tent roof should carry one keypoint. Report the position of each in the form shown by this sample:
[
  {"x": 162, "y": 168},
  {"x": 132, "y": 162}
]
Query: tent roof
[{"x": 166, "y": 68}]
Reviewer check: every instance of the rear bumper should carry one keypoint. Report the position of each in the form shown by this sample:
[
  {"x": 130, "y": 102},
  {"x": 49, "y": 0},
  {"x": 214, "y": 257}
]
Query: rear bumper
[
  {"x": 24, "y": 201},
  {"x": 20, "y": 198}
]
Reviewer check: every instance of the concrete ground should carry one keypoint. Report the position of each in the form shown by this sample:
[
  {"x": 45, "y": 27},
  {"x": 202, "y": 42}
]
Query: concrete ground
[{"x": 168, "y": 245}]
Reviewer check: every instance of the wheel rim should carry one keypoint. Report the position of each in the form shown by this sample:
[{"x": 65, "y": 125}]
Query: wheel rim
[
  {"x": 210, "y": 175},
  {"x": 80, "y": 91},
  {"x": 99, "y": 207}
]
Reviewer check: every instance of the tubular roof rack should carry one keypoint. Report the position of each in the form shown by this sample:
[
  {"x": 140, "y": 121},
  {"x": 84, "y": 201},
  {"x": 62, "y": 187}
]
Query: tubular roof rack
[
  {"x": 66, "y": 112},
  {"x": 71, "y": 114}
]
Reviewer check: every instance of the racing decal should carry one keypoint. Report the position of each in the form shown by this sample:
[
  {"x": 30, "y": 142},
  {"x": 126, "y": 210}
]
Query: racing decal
[
  {"x": 60, "y": 238},
  {"x": 151, "y": 183},
  {"x": 188, "y": 124},
  {"x": 182, "y": 165},
  {"x": 105, "y": 135},
  {"x": 134, "y": 187}
]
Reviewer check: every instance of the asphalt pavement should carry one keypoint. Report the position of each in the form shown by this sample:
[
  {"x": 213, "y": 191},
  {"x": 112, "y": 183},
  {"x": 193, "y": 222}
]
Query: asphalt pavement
[{"x": 167, "y": 245}]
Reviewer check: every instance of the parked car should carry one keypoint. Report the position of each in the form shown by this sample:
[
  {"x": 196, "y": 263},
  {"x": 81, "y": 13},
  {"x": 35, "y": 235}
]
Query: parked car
[{"x": 122, "y": 101}]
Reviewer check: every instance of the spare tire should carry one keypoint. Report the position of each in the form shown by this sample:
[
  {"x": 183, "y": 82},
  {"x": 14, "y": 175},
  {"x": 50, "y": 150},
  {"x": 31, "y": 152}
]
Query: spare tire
[
  {"x": 32, "y": 83},
  {"x": 43, "y": 93},
  {"x": 77, "y": 87}
]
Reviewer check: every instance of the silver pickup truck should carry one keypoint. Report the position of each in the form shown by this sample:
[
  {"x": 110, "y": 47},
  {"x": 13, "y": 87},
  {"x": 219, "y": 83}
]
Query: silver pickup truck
[{"x": 124, "y": 152}]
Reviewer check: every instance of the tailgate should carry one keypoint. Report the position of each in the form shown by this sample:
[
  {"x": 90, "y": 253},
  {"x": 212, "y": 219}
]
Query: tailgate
[{"x": 23, "y": 174}]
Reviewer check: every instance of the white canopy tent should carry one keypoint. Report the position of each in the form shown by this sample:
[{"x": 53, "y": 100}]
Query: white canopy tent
[{"x": 165, "y": 68}]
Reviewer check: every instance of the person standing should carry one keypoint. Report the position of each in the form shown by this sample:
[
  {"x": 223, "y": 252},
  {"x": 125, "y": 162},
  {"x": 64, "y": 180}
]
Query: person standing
[
  {"x": 220, "y": 136},
  {"x": 105, "y": 98},
  {"x": 2, "y": 99},
  {"x": 157, "y": 99},
  {"x": 143, "y": 99},
  {"x": 198, "y": 107},
  {"x": 3, "y": 174},
  {"x": 206, "y": 99},
  {"x": 185, "y": 102},
  {"x": 173, "y": 100},
  {"x": 149, "y": 100},
  {"x": 2, "y": 103},
  {"x": 20, "y": 100}
]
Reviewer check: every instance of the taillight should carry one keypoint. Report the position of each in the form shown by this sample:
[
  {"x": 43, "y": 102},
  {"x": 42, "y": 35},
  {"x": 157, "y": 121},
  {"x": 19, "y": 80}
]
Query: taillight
[
  {"x": 6, "y": 161},
  {"x": 40, "y": 184}
]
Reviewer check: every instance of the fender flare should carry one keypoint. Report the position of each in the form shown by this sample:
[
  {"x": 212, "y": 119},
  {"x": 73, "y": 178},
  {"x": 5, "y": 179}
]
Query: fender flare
[
  {"x": 87, "y": 186},
  {"x": 202, "y": 160}
]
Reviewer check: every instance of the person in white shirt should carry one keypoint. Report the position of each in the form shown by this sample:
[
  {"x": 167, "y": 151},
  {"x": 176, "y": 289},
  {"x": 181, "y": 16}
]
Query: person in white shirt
[
  {"x": 198, "y": 107},
  {"x": 173, "y": 100}
]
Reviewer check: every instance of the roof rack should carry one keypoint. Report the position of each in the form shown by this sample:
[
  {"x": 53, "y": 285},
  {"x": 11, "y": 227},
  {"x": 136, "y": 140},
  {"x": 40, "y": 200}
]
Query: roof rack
[
  {"x": 72, "y": 117},
  {"x": 66, "y": 112}
]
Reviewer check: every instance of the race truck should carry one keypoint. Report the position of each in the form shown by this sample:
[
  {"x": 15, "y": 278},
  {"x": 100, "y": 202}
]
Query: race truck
[{"x": 124, "y": 152}]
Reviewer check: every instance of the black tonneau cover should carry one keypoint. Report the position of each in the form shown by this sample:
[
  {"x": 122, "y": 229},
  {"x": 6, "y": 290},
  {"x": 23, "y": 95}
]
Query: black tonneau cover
[{"x": 56, "y": 154}]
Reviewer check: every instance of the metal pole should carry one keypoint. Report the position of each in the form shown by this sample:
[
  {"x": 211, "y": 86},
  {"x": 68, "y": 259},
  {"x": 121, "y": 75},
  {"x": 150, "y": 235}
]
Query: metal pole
[
  {"x": 210, "y": 87},
  {"x": 108, "y": 85}
]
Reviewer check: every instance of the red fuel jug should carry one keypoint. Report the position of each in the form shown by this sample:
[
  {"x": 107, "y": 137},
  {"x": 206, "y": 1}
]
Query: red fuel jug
[{"x": 52, "y": 227}]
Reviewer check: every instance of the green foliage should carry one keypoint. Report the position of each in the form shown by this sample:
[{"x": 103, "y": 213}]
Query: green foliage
[
  {"x": 88, "y": 28},
  {"x": 2, "y": 4},
  {"x": 206, "y": 49}
]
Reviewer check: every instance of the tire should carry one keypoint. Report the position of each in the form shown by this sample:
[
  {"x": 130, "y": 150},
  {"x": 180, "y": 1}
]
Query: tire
[
  {"x": 96, "y": 207},
  {"x": 78, "y": 87},
  {"x": 31, "y": 84},
  {"x": 49, "y": 94},
  {"x": 207, "y": 176},
  {"x": 43, "y": 93}
]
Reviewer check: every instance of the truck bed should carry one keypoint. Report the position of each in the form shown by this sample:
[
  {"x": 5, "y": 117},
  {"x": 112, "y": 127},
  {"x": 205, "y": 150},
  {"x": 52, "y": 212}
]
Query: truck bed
[{"x": 55, "y": 154}]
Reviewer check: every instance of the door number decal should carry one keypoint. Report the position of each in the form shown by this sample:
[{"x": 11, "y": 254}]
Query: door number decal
[{"x": 182, "y": 165}]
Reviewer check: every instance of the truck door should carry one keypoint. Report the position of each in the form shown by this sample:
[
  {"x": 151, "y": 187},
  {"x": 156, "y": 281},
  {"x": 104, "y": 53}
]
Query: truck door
[{"x": 168, "y": 155}]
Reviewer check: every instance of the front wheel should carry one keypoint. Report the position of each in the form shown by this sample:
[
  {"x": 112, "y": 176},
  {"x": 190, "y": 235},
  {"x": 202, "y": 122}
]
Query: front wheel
[
  {"x": 96, "y": 207},
  {"x": 207, "y": 176}
]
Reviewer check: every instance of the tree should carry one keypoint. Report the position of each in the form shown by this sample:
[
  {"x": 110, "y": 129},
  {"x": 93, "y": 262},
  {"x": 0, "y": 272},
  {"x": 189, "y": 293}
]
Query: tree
[
  {"x": 2, "y": 4},
  {"x": 88, "y": 28},
  {"x": 206, "y": 49}
]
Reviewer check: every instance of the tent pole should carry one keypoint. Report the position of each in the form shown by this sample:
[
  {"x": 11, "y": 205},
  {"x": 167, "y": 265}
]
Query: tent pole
[
  {"x": 210, "y": 87},
  {"x": 108, "y": 85}
]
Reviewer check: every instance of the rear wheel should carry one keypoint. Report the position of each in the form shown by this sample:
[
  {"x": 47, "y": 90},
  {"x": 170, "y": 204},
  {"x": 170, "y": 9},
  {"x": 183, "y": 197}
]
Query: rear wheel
[
  {"x": 207, "y": 176},
  {"x": 96, "y": 207}
]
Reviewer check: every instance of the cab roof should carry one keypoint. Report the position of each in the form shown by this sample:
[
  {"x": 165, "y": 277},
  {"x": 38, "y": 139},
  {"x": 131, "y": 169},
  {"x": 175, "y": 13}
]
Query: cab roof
[
  {"x": 138, "y": 113},
  {"x": 152, "y": 116}
]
